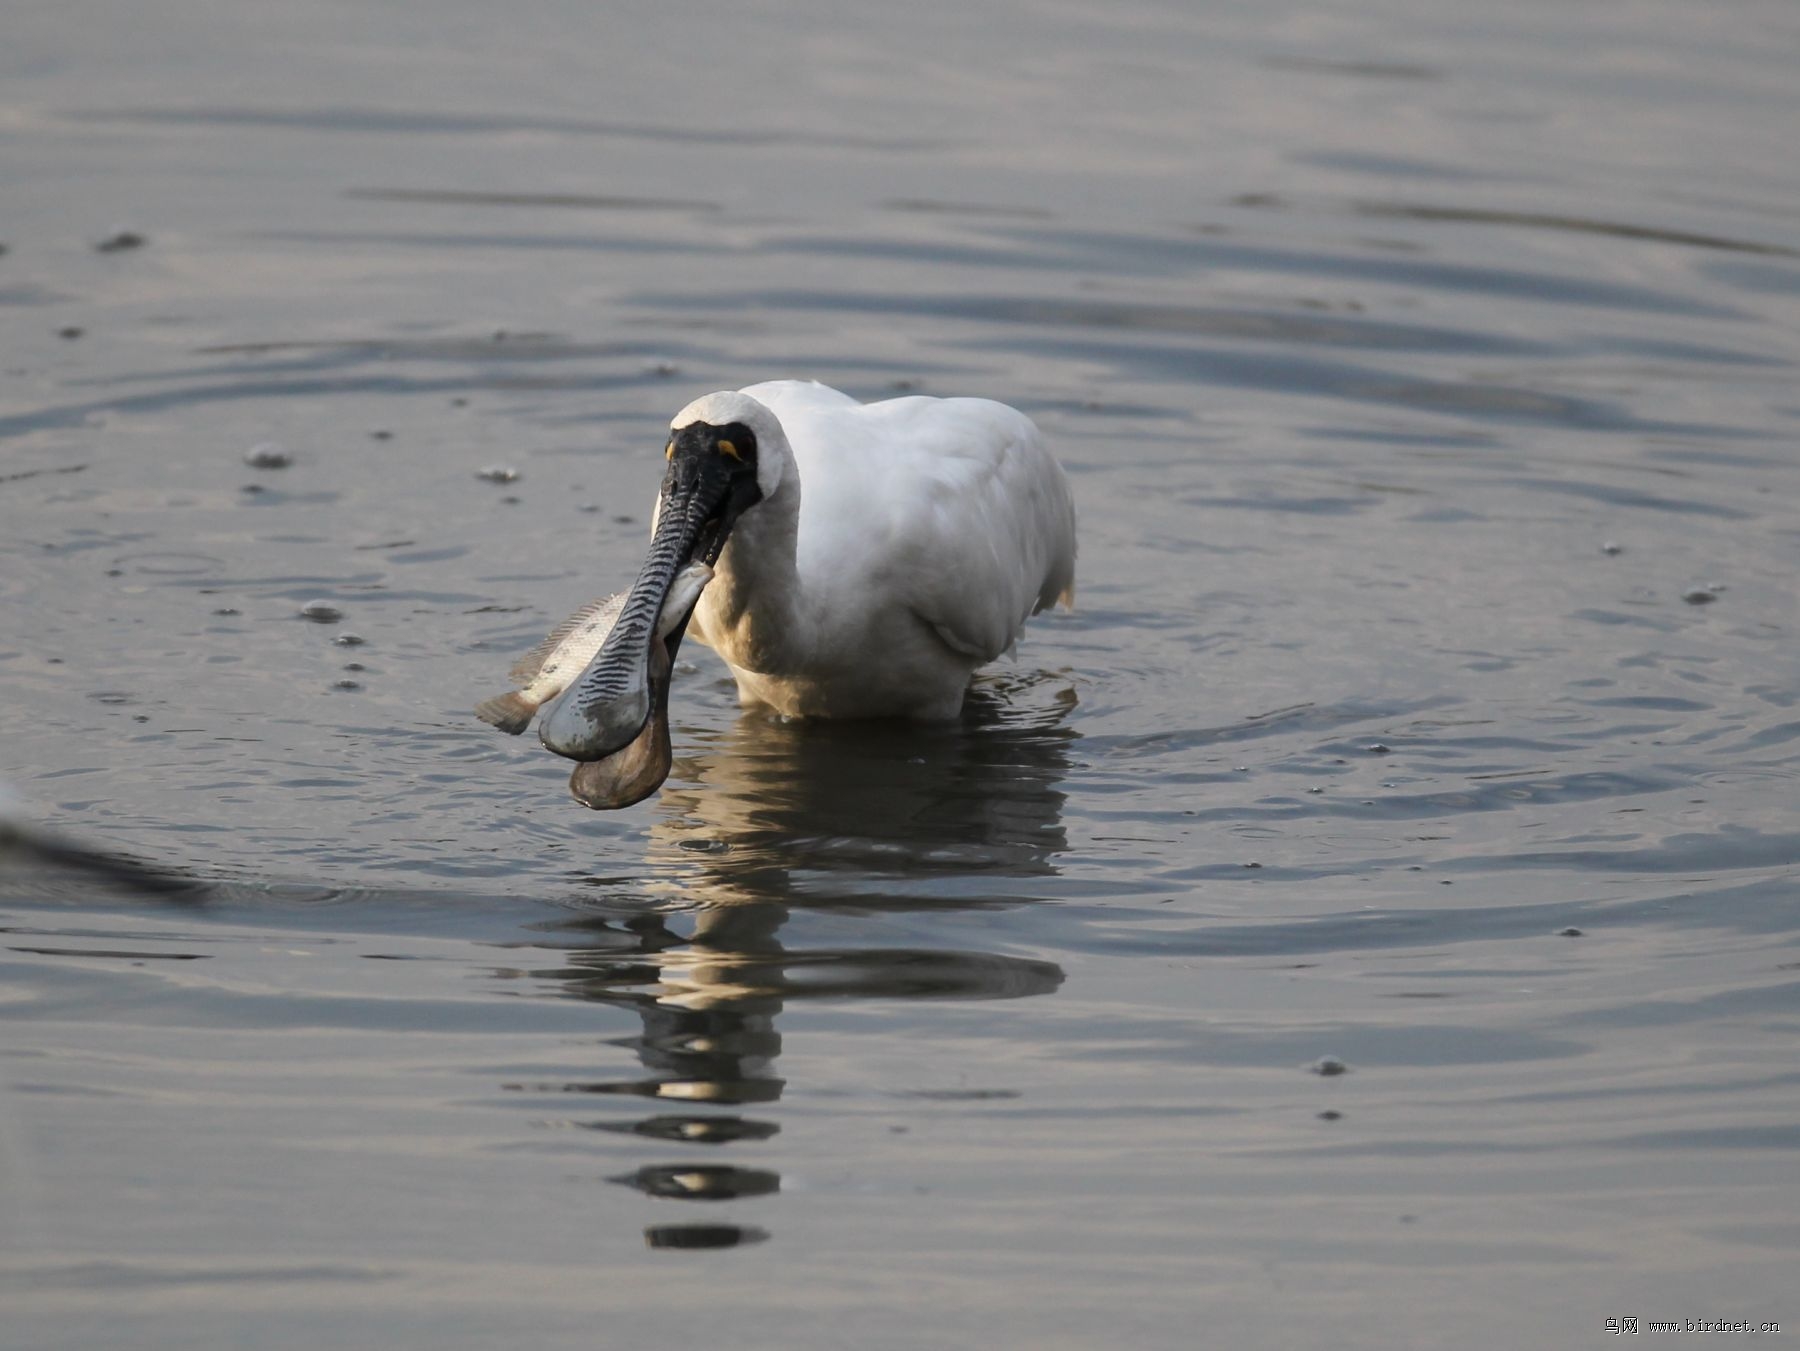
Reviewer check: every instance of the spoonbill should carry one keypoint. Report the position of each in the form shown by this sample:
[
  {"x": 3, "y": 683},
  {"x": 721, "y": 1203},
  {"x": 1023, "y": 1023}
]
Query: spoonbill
[{"x": 867, "y": 559}]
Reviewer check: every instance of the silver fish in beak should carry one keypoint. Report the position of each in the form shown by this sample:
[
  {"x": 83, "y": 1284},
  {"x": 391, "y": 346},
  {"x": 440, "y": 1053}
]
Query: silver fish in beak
[
  {"x": 710, "y": 482},
  {"x": 545, "y": 671}
]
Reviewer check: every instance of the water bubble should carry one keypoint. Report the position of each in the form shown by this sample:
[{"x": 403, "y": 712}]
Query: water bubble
[
  {"x": 320, "y": 612},
  {"x": 268, "y": 455},
  {"x": 1329, "y": 1065},
  {"x": 498, "y": 473}
]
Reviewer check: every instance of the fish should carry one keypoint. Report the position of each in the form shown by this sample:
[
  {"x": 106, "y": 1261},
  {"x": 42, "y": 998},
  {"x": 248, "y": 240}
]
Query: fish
[{"x": 553, "y": 665}]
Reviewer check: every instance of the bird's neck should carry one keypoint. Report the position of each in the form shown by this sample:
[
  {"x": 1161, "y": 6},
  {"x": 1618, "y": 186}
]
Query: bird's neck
[{"x": 753, "y": 612}]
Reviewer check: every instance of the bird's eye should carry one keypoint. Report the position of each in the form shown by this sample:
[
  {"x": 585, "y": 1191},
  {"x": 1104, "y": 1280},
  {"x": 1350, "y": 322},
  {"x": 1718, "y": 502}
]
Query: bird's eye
[{"x": 727, "y": 448}]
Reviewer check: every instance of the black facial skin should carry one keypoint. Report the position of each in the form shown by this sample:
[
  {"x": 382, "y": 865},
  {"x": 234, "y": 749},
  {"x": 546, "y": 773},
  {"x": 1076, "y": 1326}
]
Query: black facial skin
[
  {"x": 696, "y": 455},
  {"x": 710, "y": 482}
]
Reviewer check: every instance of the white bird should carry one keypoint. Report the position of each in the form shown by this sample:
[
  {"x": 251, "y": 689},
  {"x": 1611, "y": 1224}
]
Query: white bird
[{"x": 867, "y": 558}]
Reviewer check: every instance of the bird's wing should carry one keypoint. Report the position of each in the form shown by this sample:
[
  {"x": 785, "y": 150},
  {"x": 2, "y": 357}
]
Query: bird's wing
[{"x": 953, "y": 507}]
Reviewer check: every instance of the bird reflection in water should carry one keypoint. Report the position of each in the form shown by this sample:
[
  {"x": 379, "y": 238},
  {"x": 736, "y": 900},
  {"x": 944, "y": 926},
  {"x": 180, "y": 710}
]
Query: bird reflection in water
[{"x": 766, "y": 819}]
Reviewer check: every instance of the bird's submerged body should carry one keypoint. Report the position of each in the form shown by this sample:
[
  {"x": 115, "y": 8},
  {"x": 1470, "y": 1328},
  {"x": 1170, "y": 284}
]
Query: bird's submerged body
[{"x": 914, "y": 539}]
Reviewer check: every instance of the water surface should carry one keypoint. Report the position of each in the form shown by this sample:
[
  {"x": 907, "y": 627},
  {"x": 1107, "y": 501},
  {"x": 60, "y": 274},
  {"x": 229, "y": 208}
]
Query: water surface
[{"x": 1427, "y": 380}]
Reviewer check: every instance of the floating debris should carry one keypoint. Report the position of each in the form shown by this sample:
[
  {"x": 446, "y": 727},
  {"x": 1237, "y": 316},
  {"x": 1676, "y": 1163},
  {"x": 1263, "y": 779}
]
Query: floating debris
[
  {"x": 320, "y": 612},
  {"x": 346, "y": 685},
  {"x": 381, "y": 434},
  {"x": 354, "y": 666},
  {"x": 226, "y": 612},
  {"x": 120, "y": 240},
  {"x": 498, "y": 473},
  {"x": 349, "y": 640},
  {"x": 268, "y": 455},
  {"x": 1330, "y": 1115},
  {"x": 1610, "y": 547},
  {"x": 70, "y": 333},
  {"x": 1571, "y": 932},
  {"x": 699, "y": 1236},
  {"x": 1378, "y": 748},
  {"x": 1700, "y": 595},
  {"x": 1328, "y": 1066}
]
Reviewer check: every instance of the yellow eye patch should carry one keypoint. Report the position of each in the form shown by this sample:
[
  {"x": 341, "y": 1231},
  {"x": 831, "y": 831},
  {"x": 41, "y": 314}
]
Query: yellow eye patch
[
  {"x": 726, "y": 448},
  {"x": 669, "y": 451}
]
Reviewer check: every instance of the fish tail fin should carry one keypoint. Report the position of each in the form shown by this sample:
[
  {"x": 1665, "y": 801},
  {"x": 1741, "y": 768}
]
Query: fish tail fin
[{"x": 510, "y": 712}]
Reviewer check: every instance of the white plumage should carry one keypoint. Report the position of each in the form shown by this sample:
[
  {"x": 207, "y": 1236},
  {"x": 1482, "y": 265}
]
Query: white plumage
[{"x": 897, "y": 547}]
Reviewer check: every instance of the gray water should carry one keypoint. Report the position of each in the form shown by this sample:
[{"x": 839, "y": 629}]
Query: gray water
[{"x": 1431, "y": 706}]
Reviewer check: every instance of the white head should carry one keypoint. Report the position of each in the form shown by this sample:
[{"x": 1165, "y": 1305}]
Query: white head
[{"x": 728, "y": 408}]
